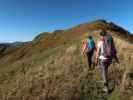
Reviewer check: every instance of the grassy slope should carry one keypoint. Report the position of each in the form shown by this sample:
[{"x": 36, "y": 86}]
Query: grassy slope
[
  {"x": 60, "y": 74},
  {"x": 53, "y": 68},
  {"x": 60, "y": 37},
  {"x": 59, "y": 79}
]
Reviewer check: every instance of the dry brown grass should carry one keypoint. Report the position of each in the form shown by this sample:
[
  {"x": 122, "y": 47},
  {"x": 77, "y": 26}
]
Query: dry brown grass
[
  {"x": 63, "y": 77},
  {"x": 52, "y": 68}
]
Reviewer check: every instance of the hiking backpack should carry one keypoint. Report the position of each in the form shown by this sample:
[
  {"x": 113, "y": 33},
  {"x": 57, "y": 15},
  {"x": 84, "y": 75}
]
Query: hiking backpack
[
  {"x": 90, "y": 44},
  {"x": 108, "y": 49}
]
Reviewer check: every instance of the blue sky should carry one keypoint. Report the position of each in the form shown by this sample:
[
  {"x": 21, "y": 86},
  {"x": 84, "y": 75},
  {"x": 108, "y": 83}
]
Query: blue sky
[{"x": 22, "y": 20}]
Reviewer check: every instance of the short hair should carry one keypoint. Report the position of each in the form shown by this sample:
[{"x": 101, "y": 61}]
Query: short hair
[
  {"x": 89, "y": 37},
  {"x": 103, "y": 33}
]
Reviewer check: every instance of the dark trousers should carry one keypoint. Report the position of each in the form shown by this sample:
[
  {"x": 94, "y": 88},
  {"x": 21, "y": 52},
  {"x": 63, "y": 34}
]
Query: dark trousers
[{"x": 89, "y": 58}]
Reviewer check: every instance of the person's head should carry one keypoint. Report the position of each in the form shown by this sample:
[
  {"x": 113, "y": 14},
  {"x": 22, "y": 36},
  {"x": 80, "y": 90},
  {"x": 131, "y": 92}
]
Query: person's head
[
  {"x": 103, "y": 33},
  {"x": 89, "y": 37}
]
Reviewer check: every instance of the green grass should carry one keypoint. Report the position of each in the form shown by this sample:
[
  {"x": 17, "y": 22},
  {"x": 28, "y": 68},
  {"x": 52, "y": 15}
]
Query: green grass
[{"x": 116, "y": 95}]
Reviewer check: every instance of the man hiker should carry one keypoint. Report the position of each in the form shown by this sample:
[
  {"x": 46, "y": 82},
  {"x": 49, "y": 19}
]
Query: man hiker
[
  {"x": 106, "y": 51},
  {"x": 88, "y": 50}
]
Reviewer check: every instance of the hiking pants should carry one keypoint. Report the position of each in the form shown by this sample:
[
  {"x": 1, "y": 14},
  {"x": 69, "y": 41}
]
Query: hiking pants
[
  {"x": 104, "y": 68},
  {"x": 89, "y": 58}
]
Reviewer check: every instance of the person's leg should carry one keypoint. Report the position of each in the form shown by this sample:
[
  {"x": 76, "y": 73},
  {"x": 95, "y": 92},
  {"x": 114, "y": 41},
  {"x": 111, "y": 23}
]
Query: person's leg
[
  {"x": 91, "y": 56},
  {"x": 104, "y": 68},
  {"x": 89, "y": 59}
]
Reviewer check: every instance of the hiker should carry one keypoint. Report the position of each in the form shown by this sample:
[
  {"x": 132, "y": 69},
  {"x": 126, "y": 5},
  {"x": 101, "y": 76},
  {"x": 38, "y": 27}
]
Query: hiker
[
  {"x": 105, "y": 52},
  {"x": 88, "y": 50}
]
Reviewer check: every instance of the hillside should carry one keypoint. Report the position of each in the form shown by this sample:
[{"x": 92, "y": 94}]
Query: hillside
[
  {"x": 60, "y": 37},
  {"x": 51, "y": 67},
  {"x": 7, "y": 48}
]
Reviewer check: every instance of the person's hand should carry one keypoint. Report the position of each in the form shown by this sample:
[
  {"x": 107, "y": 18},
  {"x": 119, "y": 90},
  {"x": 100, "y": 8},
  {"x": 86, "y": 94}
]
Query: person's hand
[
  {"x": 116, "y": 60},
  {"x": 96, "y": 61},
  {"x": 83, "y": 53}
]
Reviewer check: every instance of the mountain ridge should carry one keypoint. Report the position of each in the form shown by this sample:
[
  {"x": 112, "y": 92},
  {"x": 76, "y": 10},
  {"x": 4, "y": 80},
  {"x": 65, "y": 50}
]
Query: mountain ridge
[
  {"x": 97, "y": 25},
  {"x": 60, "y": 37},
  {"x": 51, "y": 67}
]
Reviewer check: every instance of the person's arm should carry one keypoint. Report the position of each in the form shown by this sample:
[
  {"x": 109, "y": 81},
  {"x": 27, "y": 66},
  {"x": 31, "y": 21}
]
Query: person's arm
[
  {"x": 97, "y": 52},
  {"x": 84, "y": 48},
  {"x": 94, "y": 45},
  {"x": 115, "y": 52},
  {"x": 116, "y": 57},
  {"x": 97, "y": 55}
]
